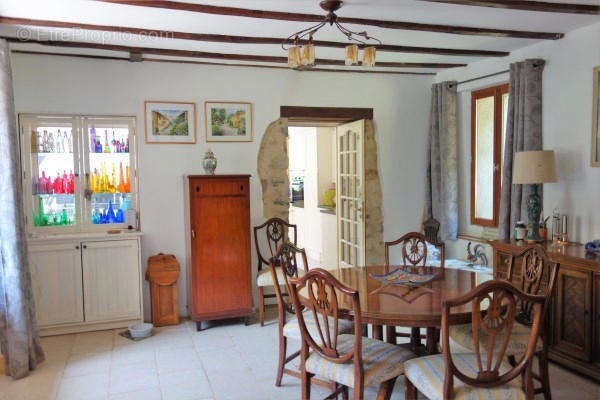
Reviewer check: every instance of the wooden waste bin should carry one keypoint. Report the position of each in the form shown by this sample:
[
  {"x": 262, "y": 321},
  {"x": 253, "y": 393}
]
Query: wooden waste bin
[{"x": 162, "y": 273}]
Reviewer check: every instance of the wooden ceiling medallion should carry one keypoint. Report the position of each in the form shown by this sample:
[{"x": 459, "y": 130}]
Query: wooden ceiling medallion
[{"x": 300, "y": 17}]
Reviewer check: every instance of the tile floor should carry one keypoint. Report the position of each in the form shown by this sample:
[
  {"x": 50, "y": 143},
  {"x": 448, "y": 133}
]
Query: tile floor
[{"x": 226, "y": 361}]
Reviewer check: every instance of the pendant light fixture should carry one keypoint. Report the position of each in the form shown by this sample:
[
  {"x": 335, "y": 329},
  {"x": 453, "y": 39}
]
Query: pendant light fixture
[{"x": 301, "y": 52}]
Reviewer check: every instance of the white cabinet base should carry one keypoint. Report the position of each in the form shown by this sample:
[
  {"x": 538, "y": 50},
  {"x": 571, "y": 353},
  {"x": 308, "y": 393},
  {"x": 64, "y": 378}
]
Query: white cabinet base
[
  {"x": 86, "y": 327},
  {"x": 86, "y": 284}
]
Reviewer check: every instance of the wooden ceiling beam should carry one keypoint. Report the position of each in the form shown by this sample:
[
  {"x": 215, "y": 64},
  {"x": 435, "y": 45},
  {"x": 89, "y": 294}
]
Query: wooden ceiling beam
[
  {"x": 161, "y": 60},
  {"x": 287, "y": 16},
  {"x": 219, "y": 56},
  {"x": 205, "y": 37},
  {"x": 528, "y": 5}
]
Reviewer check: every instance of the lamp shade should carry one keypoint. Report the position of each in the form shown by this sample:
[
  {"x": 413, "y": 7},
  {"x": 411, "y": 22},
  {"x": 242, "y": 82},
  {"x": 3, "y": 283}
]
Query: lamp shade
[{"x": 531, "y": 167}]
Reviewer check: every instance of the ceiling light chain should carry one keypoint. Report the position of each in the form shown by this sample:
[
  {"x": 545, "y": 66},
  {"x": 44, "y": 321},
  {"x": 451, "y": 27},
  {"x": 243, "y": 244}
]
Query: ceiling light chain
[{"x": 304, "y": 56}]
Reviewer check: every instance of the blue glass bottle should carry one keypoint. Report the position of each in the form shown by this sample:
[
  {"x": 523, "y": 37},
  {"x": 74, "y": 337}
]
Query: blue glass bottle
[{"x": 110, "y": 215}]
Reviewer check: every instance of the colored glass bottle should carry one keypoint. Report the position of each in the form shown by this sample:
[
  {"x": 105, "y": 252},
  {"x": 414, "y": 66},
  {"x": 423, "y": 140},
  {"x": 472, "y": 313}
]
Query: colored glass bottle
[
  {"x": 93, "y": 140},
  {"x": 57, "y": 186},
  {"x": 64, "y": 219},
  {"x": 71, "y": 183},
  {"x": 121, "y": 179},
  {"x": 110, "y": 215},
  {"x": 106, "y": 146},
  {"x": 96, "y": 217},
  {"x": 120, "y": 216},
  {"x": 113, "y": 182},
  {"x": 127, "y": 180}
]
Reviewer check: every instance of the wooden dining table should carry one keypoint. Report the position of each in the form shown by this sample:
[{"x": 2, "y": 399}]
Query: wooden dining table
[{"x": 400, "y": 306}]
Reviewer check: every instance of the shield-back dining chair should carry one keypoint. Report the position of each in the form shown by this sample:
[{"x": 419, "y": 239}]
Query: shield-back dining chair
[
  {"x": 536, "y": 276},
  {"x": 350, "y": 360},
  {"x": 267, "y": 239},
  {"x": 418, "y": 252},
  {"x": 286, "y": 260},
  {"x": 483, "y": 373}
]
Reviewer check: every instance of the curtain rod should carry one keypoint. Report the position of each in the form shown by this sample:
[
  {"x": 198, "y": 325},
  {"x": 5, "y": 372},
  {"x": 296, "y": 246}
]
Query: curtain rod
[
  {"x": 481, "y": 77},
  {"x": 494, "y": 74}
]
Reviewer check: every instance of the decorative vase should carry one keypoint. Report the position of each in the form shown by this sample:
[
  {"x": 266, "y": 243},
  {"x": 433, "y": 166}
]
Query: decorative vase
[{"x": 209, "y": 162}]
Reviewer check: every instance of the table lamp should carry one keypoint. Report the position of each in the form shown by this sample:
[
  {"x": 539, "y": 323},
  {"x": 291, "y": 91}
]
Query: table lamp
[{"x": 534, "y": 168}]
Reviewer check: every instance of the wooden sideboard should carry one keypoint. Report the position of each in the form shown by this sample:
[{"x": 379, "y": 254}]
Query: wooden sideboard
[{"x": 575, "y": 310}]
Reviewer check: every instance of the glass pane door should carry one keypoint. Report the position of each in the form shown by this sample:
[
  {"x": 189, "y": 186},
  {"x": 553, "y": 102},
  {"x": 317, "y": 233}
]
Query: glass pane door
[
  {"x": 51, "y": 172},
  {"x": 110, "y": 189}
]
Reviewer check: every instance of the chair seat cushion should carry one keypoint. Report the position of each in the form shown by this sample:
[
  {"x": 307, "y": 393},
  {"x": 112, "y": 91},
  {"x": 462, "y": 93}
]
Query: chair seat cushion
[
  {"x": 381, "y": 362},
  {"x": 427, "y": 375},
  {"x": 291, "y": 329},
  {"x": 463, "y": 336},
  {"x": 264, "y": 277}
]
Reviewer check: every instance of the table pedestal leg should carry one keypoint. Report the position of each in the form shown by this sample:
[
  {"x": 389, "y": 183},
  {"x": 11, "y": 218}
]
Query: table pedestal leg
[
  {"x": 415, "y": 338},
  {"x": 433, "y": 338},
  {"x": 378, "y": 332},
  {"x": 390, "y": 334}
]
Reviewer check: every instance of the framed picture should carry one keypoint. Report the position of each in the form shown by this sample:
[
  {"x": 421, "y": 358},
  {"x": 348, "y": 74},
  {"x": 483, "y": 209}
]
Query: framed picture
[
  {"x": 228, "y": 121},
  {"x": 170, "y": 122},
  {"x": 596, "y": 120}
]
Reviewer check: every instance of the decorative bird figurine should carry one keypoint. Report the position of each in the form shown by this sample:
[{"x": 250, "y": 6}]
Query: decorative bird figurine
[{"x": 477, "y": 254}]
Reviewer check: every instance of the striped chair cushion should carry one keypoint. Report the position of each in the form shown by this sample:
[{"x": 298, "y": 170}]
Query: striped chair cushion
[
  {"x": 427, "y": 374},
  {"x": 381, "y": 362},
  {"x": 463, "y": 336},
  {"x": 291, "y": 329}
]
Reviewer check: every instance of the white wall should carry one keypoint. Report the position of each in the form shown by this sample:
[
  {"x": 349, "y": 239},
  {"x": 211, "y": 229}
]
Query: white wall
[
  {"x": 70, "y": 85},
  {"x": 567, "y": 125}
]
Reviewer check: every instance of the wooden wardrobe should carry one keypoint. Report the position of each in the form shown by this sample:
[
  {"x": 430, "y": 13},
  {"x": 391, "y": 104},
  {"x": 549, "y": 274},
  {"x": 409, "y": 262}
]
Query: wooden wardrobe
[{"x": 219, "y": 263}]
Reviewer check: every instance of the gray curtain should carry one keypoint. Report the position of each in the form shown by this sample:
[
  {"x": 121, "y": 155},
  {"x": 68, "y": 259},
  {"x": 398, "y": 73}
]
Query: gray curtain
[
  {"x": 523, "y": 133},
  {"x": 441, "y": 188},
  {"x": 19, "y": 342}
]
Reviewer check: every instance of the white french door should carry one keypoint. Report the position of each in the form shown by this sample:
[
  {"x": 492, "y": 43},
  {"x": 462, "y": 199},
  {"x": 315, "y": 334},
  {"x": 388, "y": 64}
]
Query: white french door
[{"x": 350, "y": 194}]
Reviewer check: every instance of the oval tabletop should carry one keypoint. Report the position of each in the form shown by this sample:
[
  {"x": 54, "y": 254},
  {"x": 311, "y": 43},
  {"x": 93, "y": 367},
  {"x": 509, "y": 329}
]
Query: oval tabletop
[{"x": 383, "y": 304}]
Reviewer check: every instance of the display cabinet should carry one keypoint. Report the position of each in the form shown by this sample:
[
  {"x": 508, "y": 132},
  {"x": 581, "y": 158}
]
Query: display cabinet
[
  {"x": 79, "y": 173},
  {"x": 80, "y": 201}
]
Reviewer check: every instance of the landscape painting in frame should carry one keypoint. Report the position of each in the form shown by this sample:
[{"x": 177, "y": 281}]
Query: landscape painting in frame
[
  {"x": 228, "y": 121},
  {"x": 170, "y": 122}
]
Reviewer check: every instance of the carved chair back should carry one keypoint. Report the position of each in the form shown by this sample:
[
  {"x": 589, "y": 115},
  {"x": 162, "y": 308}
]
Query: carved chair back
[
  {"x": 415, "y": 253},
  {"x": 320, "y": 299},
  {"x": 431, "y": 228},
  {"x": 536, "y": 277},
  {"x": 286, "y": 259},
  {"x": 275, "y": 232},
  {"x": 494, "y": 309}
]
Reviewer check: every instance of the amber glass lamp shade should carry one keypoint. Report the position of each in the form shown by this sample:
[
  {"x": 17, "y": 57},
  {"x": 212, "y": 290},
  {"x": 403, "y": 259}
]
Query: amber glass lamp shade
[
  {"x": 294, "y": 58},
  {"x": 369, "y": 56},
  {"x": 352, "y": 54},
  {"x": 308, "y": 55}
]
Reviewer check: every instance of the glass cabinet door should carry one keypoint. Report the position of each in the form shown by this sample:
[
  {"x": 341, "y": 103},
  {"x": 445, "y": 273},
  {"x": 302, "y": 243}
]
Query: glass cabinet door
[
  {"x": 109, "y": 162},
  {"x": 51, "y": 172}
]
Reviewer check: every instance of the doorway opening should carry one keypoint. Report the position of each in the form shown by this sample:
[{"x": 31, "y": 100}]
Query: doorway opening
[
  {"x": 285, "y": 185},
  {"x": 312, "y": 172}
]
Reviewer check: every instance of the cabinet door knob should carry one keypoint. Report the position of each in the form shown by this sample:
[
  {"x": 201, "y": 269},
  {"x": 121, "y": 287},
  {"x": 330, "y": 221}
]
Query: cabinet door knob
[
  {"x": 193, "y": 234},
  {"x": 84, "y": 246},
  {"x": 77, "y": 247}
]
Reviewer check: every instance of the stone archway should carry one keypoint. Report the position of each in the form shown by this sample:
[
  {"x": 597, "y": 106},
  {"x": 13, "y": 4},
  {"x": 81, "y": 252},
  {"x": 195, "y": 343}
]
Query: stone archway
[{"x": 273, "y": 162}]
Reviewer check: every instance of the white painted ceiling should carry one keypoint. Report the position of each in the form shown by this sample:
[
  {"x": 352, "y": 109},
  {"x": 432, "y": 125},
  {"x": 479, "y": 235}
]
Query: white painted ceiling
[{"x": 93, "y": 12}]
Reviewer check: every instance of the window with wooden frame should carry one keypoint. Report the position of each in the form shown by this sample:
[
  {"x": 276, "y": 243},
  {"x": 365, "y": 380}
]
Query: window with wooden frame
[{"x": 489, "y": 108}]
